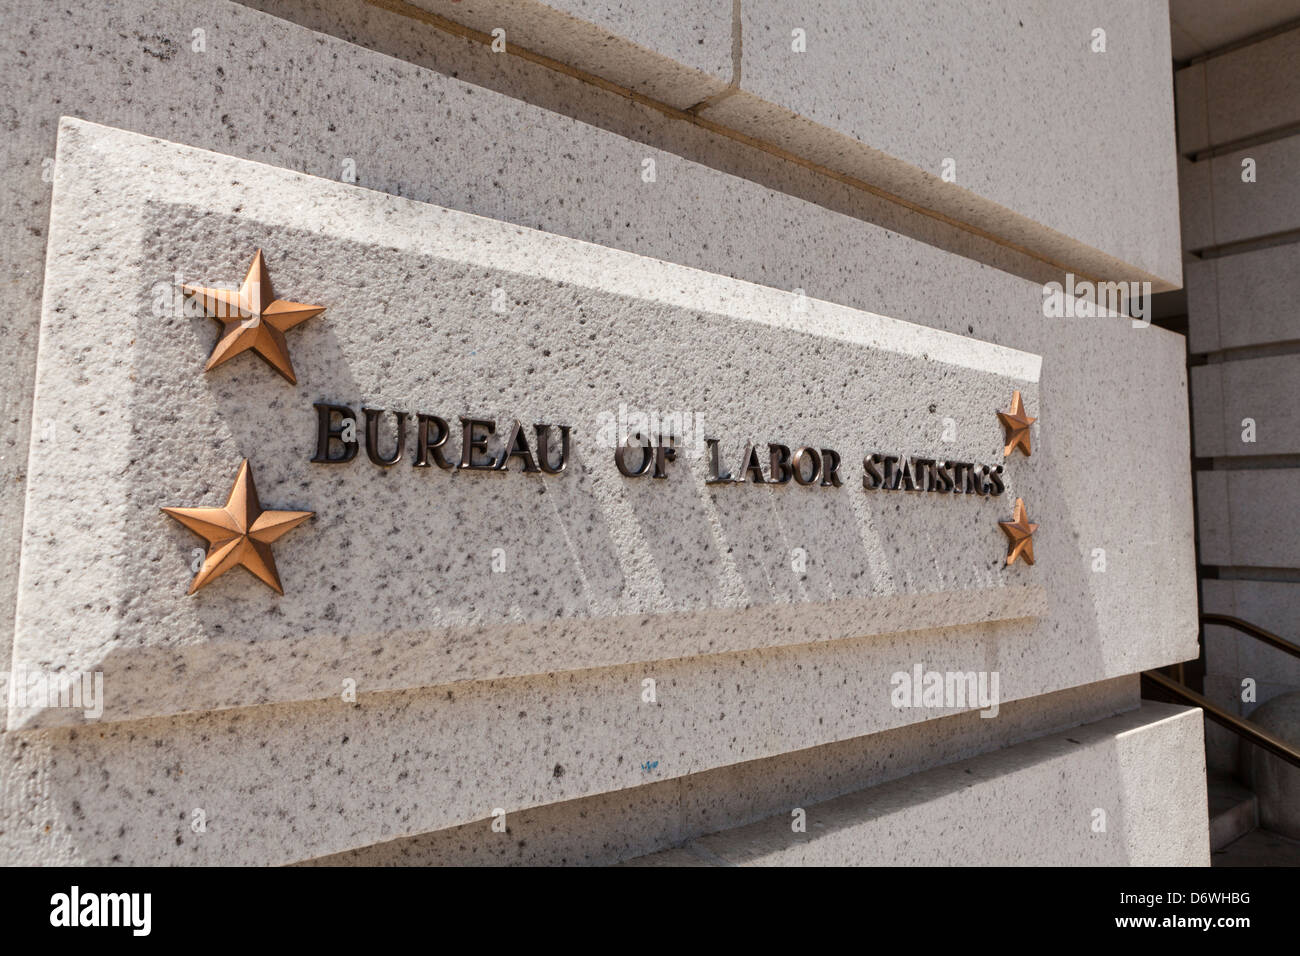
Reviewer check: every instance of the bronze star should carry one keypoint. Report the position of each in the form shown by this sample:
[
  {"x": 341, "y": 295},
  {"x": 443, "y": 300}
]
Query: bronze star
[
  {"x": 253, "y": 318},
  {"x": 239, "y": 533},
  {"x": 1016, "y": 423},
  {"x": 1020, "y": 533}
]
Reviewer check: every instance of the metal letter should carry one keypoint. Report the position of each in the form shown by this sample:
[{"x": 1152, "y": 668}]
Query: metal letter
[
  {"x": 543, "y": 449},
  {"x": 517, "y": 444},
  {"x": 471, "y": 442},
  {"x": 796, "y": 465},
  {"x": 426, "y": 446},
  {"x": 325, "y": 432},
  {"x": 647, "y": 456},
  {"x": 372, "y": 437}
]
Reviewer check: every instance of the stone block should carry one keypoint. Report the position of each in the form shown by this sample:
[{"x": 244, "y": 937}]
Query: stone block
[
  {"x": 783, "y": 226},
  {"x": 1238, "y": 517},
  {"x": 679, "y": 52},
  {"x": 512, "y": 573},
  {"x": 1253, "y": 398},
  {"x": 840, "y": 103},
  {"x": 1144, "y": 771},
  {"x": 1244, "y": 299},
  {"x": 1245, "y": 210},
  {"x": 1253, "y": 90},
  {"x": 608, "y": 827}
]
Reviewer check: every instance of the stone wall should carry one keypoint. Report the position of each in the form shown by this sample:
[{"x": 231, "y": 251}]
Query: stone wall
[
  {"x": 1237, "y": 122},
  {"x": 773, "y": 182}
]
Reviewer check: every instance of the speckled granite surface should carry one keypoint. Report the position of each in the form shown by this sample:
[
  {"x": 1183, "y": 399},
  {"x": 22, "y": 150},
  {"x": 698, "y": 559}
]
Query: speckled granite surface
[
  {"x": 1039, "y": 83},
  {"x": 1130, "y": 790},
  {"x": 418, "y": 577},
  {"x": 490, "y": 135},
  {"x": 615, "y": 826},
  {"x": 677, "y": 51}
]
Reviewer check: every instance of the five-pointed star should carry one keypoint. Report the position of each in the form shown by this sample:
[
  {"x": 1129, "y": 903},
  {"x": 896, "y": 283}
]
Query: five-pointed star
[
  {"x": 253, "y": 318},
  {"x": 239, "y": 533},
  {"x": 1019, "y": 533},
  {"x": 1016, "y": 423}
]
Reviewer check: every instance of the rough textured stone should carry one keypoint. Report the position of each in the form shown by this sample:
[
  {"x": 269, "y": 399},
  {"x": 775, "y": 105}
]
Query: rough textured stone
[
  {"x": 1227, "y": 394},
  {"x": 1250, "y": 91},
  {"x": 825, "y": 106},
  {"x": 1244, "y": 299},
  {"x": 384, "y": 589},
  {"x": 211, "y": 484},
  {"x": 1246, "y": 210},
  {"x": 725, "y": 207},
  {"x": 1238, "y": 517},
  {"x": 838, "y": 104},
  {"x": 613, "y": 826},
  {"x": 284, "y": 782},
  {"x": 1008, "y": 808},
  {"x": 677, "y": 51},
  {"x": 564, "y": 157}
]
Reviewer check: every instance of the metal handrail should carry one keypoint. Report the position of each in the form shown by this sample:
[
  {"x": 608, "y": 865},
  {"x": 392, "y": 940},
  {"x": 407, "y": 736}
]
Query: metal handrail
[
  {"x": 1242, "y": 728},
  {"x": 1255, "y": 631}
]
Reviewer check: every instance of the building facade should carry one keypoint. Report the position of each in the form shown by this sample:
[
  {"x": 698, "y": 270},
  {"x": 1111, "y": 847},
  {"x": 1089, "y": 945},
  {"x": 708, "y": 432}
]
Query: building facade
[
  {"x": 685, "y": 434},
  {"x": 1237, "y": 108}
]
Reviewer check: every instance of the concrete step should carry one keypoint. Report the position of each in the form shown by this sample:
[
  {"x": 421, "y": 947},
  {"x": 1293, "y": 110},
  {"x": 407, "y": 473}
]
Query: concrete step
[{"x": 1234, "y": 811}]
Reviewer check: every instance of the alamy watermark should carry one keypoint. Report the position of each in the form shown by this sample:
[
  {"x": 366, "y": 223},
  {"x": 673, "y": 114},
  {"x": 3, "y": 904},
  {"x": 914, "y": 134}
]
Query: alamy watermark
[
  {"x": 950, "y": 689},
  {"x": 170, "y": 300},
  {"x": 1084, "y": 299},
  {"x": 686, "y": 428},
  {"x": 129, "y": 910},
  {"x": 38, "y": 689}
]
